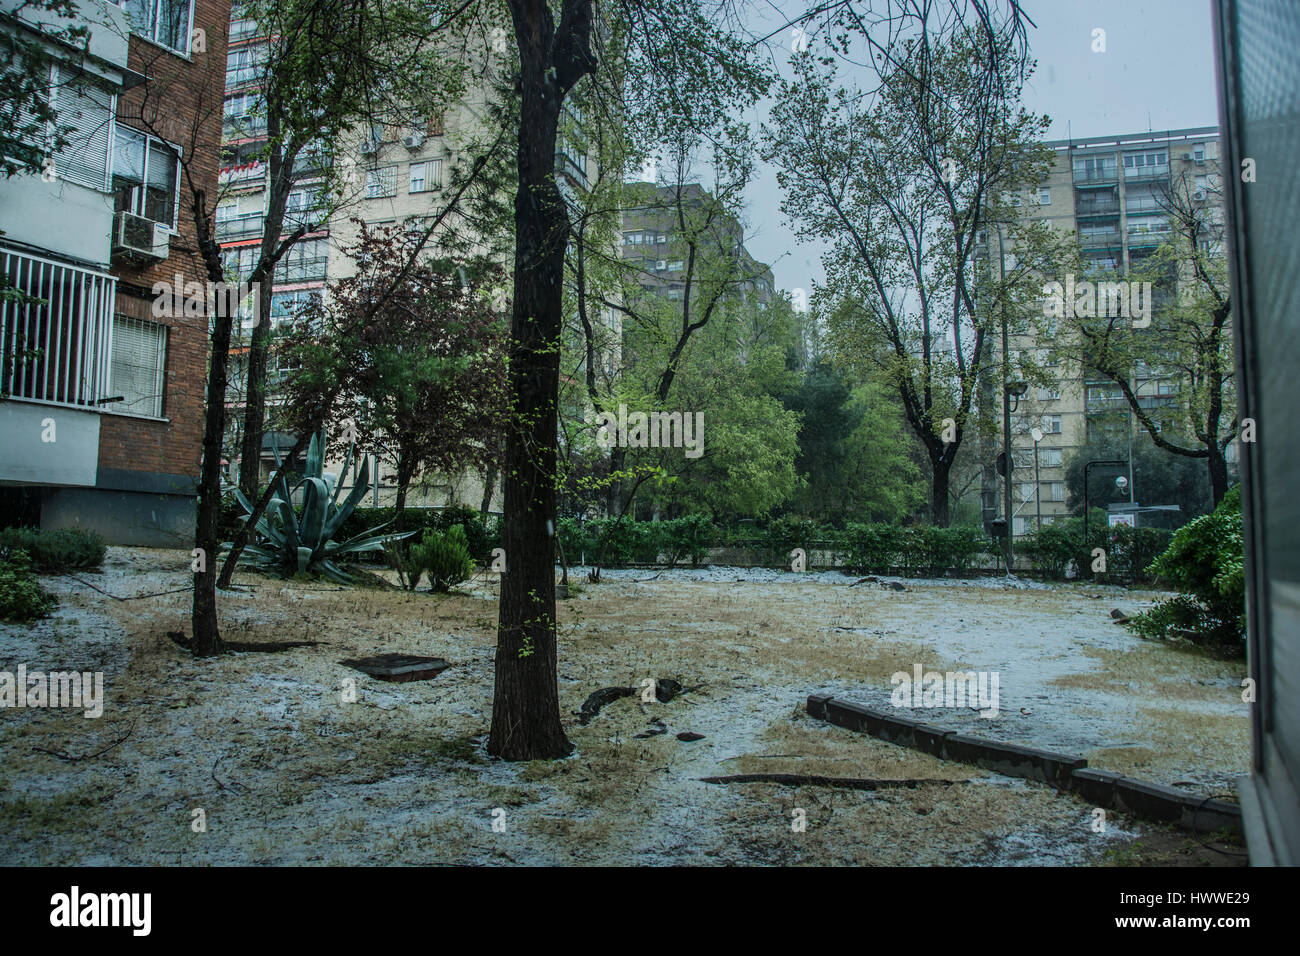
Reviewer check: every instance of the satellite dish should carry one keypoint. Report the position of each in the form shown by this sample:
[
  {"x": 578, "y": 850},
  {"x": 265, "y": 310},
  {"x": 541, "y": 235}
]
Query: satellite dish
[{"x": 1036, "y": 434}]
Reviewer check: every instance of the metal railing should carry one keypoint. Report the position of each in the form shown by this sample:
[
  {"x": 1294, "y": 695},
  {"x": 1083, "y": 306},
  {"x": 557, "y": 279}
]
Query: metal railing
[{"x": 56, "y": 340}]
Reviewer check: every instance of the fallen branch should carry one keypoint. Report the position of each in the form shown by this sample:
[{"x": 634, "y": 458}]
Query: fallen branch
[
  {"x": 74, "y": 758},
  {"x": 814, "y": 780}
]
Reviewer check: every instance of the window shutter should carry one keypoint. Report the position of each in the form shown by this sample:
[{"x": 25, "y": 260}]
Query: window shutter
[{"x": 89, "y": 112}]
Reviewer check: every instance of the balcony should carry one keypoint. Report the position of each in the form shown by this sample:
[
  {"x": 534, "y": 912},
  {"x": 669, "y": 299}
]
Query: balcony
[
  {"x": 1084, "y": 210},
  {"x": 1096, "y": 176},
  {"x": 302, "y": 270},
  {"x": 1139, "y": 174},
  {"x": 240, "y": 227},
  {"x": 1100, "y": 239},
  {"x": 55, "y": 349},
  {"x": 242, "y": 29}
]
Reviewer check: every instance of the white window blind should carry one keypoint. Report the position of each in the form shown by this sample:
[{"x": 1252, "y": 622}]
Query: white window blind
[
  {"x": 88, "y": 112},
  {"x": 138, "y": 365}
]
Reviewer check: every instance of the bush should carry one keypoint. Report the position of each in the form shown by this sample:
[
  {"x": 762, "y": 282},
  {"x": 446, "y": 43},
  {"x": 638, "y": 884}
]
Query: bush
[
  {"x": 872, "y": 547},
  {"x": 443, "y": 557},
  {"x": 687, "y": 538},
  {"x": 67, "y": 549},
  {"x": 786, "y": 533},
  {"x": 1206, "y": 561},
  {"x": 481, "y": 535},
  {"x": 22, "y": 598}
]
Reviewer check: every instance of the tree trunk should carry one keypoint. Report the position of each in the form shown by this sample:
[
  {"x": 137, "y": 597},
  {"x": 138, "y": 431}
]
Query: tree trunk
[
  {"x": 525, "y": 701},
  {"x": 206, "y": 635},
  {"x": 941, "y": 469},
  {"x": 250, "y": 456},
  {"x": 1218, "y": 473},
  {"x": 259, "y": 508},
  {"x": 281, "y": 183}
]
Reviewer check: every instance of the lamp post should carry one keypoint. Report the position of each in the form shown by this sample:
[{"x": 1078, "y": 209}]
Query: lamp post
[{"x": 1037, "y": 435}]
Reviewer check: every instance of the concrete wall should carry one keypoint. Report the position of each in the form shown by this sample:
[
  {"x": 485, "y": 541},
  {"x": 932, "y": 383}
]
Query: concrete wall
[
  {"x": 71, "y": 459},
  {"x": 123, "y": 517}
]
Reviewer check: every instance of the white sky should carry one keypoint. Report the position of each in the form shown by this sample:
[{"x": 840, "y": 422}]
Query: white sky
[{"x": 1157, "y": 73}]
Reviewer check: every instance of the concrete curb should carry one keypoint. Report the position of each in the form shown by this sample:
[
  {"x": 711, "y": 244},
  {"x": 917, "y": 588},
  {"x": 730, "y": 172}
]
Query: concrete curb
[{"x": 1148, "y": 801}]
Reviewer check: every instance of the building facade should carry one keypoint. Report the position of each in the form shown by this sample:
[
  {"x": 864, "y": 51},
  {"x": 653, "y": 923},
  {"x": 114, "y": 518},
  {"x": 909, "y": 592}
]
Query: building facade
[
  {"x": 101, "y": 416},
  {"x": 1109, "y": 192}
]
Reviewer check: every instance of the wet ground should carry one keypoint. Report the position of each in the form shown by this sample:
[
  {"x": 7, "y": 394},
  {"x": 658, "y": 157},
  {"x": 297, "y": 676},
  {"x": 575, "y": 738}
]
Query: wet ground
[{"x": 285, "y": 770}]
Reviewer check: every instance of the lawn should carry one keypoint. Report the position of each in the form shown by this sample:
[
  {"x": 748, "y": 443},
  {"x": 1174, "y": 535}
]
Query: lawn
[{"x": 286, "y": 771}]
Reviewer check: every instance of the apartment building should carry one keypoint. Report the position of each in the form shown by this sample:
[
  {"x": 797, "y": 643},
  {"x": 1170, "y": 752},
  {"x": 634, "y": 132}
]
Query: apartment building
[
  {"x": 101, "y": 410},
  {"x": 1107, "y": 191},
  {"x": 652, "y": 240}
]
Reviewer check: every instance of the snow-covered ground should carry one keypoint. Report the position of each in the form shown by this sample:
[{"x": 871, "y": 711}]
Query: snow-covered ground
[{"x": 286, "y": 771}]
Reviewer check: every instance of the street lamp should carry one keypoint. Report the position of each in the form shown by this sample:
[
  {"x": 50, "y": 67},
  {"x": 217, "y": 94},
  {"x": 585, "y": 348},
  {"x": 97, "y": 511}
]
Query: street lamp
[{"x": 1037, "y": 435}]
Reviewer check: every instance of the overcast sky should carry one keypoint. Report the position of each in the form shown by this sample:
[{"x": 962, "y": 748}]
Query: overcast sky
[{"x": 1157, "y": 73}]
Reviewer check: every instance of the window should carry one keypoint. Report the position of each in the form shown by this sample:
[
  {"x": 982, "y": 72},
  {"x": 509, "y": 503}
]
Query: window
[
  {"x": 1026, "y": 490},
  {"x": 139, "y": 360},
  {"x": 165, "y": 22},
  {"x": 245, "y": 65},
  {"x": 1045, "y": 196},
  {"x": 1053, "y": 491},
  {"x": 1011, "y": 198},
  {"x": 286, "y": 306},
  {"x": 144, "y": 176},
  {"x": 426, "y": 176},
  {"x": 1146, "y": 163},
  {"x": 1049, "y": 394},
  {"x": 1052, "y": 424},
  {"x": 381, "y": 182},
  {"x": 1050, "y": 457},
  {"x": 1198, "y": 153},
  {"x": 305, "y": 261}
]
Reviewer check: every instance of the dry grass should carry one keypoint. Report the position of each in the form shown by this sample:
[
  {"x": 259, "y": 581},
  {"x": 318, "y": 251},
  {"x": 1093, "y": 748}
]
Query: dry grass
[{"x": 286, "y": 772}]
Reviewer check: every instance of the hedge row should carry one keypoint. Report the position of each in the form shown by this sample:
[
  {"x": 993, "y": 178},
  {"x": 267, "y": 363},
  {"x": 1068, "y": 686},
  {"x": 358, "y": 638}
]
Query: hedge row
[
  {"x": 879, "y": 548},
  {"x": 866, "y": 548},
  {"x": 66, "y": 549}
]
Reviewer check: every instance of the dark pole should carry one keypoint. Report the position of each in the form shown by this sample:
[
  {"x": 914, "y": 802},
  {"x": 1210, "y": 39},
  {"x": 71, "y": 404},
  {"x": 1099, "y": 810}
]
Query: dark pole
[
  {"x": 1006, "y": 397},
  {"x": 1038, "y": 493}
]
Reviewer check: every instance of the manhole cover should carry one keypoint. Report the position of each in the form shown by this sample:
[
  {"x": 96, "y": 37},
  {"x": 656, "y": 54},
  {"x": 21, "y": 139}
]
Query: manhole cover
[{"x": 399, "y": 667}]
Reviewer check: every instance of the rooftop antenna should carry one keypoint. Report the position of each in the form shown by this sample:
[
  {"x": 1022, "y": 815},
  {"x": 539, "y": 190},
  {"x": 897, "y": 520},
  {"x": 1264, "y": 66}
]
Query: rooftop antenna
[{"x": 1148, "y": 121}]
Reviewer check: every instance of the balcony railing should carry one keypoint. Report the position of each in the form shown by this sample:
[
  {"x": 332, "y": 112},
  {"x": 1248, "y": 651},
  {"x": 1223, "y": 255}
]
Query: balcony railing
[
  {"x": 1141, "y": 173},
  {"x": 1099, "y": 240},
  {"x": 303, "y": 270},
  {"x": 240, "y": 227},
  {"x": 1104, "y": 174},
  {"x": 242, "y": 29},
  {"x": 1098, "y": 208},
  {"x": 55, "y": 344}
]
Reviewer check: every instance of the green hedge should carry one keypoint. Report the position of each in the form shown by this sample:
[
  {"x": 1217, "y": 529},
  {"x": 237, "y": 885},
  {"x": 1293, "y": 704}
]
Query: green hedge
[
  {"x": 1129, "y": 551},
  {"x": 68, "y": 549}
]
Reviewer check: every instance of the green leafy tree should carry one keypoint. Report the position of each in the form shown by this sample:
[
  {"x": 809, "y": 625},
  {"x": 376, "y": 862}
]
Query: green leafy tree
[{"x": 902, "y": 183}]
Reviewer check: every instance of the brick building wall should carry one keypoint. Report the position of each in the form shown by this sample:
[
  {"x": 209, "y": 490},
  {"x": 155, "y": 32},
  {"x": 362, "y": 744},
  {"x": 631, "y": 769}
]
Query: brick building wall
[{"x": 181, "y": 103}]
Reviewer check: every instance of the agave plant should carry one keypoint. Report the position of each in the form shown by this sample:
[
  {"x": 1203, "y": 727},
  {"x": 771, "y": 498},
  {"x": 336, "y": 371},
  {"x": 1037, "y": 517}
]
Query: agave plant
[{"x": 294, "y": 541}]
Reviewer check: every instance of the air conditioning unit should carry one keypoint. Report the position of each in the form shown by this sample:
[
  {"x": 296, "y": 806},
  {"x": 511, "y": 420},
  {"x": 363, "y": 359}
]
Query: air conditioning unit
[
  {"x": 1187, "y": 157},
  {"x": 369, "y": 146},
  {"x": 136, "y": 237},
  {"x": 414, "y": 141},
  {"x": 661, "y": 265},
  {"x": 1198, "y": 194}
]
